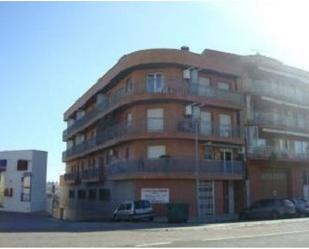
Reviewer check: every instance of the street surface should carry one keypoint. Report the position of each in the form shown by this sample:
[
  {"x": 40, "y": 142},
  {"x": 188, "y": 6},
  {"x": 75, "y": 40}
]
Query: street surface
[{"x": 39, "y": 231}]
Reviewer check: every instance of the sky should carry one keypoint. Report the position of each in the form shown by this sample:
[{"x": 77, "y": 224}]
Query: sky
[{"x": 52, "y": 52}]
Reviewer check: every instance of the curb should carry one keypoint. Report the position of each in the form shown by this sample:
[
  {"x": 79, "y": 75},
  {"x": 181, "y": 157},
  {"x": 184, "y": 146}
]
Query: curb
[{"x": 233, "y": 225}]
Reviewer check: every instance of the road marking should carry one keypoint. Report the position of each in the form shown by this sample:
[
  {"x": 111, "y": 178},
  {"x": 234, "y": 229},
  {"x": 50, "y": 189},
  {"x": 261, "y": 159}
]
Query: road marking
[
  {"x": 154, "y": 244},
  {"x": 256, "y": 236}
]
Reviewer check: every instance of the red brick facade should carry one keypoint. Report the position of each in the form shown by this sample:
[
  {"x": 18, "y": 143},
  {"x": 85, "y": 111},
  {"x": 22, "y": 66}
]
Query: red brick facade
[{"x": 116, "y": 140}]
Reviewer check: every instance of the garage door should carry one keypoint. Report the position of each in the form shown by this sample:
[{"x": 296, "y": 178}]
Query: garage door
[{"x": 274, "y": 183}]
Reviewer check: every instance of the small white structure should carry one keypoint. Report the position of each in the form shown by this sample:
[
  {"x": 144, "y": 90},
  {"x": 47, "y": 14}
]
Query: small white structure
[{"x": 23, "y": 180}]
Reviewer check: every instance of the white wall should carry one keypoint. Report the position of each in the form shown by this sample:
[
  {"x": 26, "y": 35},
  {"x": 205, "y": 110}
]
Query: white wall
[{"x": 37, "y": 161}]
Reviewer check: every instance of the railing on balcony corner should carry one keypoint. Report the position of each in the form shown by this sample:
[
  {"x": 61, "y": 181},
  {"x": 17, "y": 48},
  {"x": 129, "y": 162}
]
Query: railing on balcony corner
[
  {"x": 270, "y": 152},
  {"x": 172, "y": 88},
  {"x": 176, "y": 165},
  {"x": 268, "y": 118},
  {"x": 153, "y": 126}
]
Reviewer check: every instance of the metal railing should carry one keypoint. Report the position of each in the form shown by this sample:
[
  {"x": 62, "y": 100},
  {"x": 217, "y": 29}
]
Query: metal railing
[
  {"x": 176, "y": 165},
  {"x": 287, "y": 93},
  {"x": 268, "y": 118},
  {"x": 151, "y": 126},
  {"x": 271, "y": 152},
  {"x": 70, "y": 176},
  {"x": 172, "y": 88},
  {"x": 93, "y": 173}
]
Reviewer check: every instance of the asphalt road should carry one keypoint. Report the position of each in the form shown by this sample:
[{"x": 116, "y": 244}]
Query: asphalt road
[{"x": 46, "y": 232}]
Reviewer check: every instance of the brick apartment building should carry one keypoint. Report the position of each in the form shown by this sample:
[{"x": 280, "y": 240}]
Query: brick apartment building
[{"x": 146, "y": 126}]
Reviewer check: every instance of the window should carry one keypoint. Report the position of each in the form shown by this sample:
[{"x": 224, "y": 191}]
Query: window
[
  {"x": 22, "y": 165},
  {"x": 155, "y": 120},
  {"x": 155, "y": 83},
  {"x": 26, "y": 188},
  {"x": 81, "y": 194},
  {"x": 205, "y": 126},
  {"x": 129, "y": 119},
  {"x": 8, "y": 192},
  {"x": 225, "y": 125},
  {"x": 223, "y": 86},
  {"x": 202, "y": 88},
  {"x": 122, "y": 207},
  {"x": 71, "y": 194},
  {"x": 300, "y": 147},
  {"x": 203, "y": 81},
  {"x": 92, "y": 194},
  {"x": 129, "y": 85},
  {"x": 3, "y": 164},
  {"x": 127, "y": 153},
  {"x": 104, "y": 194},
  {"x": 155, "y": 151},
  {"x": 300, "y": 117},
  {"x": 305, "y": 177},
  {"x": 128, "y": 206},
  {"x": 142, "y": 204}
]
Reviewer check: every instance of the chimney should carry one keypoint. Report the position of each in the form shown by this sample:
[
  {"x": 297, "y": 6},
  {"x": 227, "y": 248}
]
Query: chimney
[{"x": 185, "y": 48}]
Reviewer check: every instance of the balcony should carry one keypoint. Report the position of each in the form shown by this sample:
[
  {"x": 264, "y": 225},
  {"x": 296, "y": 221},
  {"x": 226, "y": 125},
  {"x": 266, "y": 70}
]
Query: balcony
[
  {"x": 289, "y": 94},
  {"x": 154, "y": 128},
  {"x": 175, "y": 167},
  {"x": 92, "y": 175},
  {"x": 172, "y": 90},
  {"x": 70, "y": 178},
  {"x": 272, "y": 153},
  {"x": 79, "y": 148},
  {"x": 279, "y": 121}
]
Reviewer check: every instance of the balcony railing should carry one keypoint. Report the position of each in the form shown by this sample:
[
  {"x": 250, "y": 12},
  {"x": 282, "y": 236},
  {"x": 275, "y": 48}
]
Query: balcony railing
[
  {"x": 275, "y": 119},
  {"x": 270, "y": 152},
  {"x": 70, "y": 177},
  {"x": 94, "y": 174},
  {"x": 290, "y": 94},
  {"x": 172, "y": 89},
  {"x": 175, "y": 165},
  {"x": 153, "y": 127}
]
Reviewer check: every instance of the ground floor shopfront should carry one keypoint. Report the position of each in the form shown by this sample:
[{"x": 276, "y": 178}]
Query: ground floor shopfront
[
  {"x": 277, "y": 179},
  {"x": 97, "y": 201}
]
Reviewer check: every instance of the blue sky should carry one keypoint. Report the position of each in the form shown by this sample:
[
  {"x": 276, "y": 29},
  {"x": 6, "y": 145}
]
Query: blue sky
[{"x": 52, "y": 52}]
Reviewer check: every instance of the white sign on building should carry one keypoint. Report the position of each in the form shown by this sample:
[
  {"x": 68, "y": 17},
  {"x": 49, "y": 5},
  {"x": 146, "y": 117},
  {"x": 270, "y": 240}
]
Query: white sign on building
[{"x": 156, "y": 195}]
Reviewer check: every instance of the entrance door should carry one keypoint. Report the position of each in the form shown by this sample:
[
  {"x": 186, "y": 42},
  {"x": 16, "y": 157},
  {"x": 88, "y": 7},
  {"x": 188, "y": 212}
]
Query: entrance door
[{"x": 206, "y": 198}]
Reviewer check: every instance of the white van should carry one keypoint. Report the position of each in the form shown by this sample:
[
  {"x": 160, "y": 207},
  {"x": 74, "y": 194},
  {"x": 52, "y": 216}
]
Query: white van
[{"x": 134, "y": 210}]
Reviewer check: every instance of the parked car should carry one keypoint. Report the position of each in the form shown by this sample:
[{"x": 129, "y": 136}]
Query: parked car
[
  {"x": 269, "y": 209},
  {"x": 134, "y": 210},
  {"x": 302, "y": 207}
]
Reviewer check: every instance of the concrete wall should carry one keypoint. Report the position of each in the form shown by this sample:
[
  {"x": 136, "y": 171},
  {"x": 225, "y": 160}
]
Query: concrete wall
[{"x": 38, "y": 188}]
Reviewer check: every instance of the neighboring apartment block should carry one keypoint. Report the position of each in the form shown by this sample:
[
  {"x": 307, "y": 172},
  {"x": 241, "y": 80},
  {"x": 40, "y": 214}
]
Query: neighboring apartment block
[
  {"x": 23, "y": 180},
  {"x": 277, "y": 129},
  {"x": 162, "y": 118}
]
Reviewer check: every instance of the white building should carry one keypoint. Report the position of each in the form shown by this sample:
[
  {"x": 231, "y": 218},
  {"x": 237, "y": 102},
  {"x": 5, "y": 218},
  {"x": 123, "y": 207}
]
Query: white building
[{"x": 23, "y": 180}]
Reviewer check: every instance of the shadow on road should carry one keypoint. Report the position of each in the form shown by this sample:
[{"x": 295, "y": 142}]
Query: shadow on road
[{"x": 39, "y": 222}]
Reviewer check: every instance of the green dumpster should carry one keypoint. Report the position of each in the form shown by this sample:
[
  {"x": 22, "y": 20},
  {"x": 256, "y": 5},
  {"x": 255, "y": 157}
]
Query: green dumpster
[{"x": 177, "y": 212}]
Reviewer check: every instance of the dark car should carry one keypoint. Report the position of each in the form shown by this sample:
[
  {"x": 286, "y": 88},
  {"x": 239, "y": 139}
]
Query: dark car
[
  {"x": 269, "y": 209},
  {"x": 302, "y": 207}
]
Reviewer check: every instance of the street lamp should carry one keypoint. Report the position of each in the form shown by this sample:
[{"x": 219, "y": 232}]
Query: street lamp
[{"x": 196, "y": 118}]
